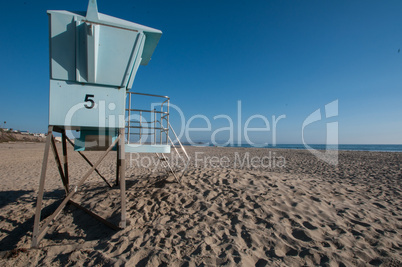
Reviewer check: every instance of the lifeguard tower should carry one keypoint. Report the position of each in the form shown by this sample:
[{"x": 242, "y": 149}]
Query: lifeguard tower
[{"x": 93, "y": 62}]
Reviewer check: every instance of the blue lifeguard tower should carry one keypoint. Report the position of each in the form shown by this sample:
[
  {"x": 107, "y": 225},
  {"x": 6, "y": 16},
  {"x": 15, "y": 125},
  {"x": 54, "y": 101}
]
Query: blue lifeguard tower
[{"x": 94, "y": 59}]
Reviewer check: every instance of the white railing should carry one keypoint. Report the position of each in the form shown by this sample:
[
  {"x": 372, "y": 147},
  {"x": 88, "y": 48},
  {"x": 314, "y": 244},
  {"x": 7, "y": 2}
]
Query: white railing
[{"x": 147, "y": 125}]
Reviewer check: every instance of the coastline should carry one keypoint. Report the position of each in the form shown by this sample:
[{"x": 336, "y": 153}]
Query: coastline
[{"x": 321, "y": 147}]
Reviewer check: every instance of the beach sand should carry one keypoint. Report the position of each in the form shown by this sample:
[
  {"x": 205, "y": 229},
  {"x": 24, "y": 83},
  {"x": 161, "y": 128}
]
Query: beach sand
[{"x": 291, "y": 209}]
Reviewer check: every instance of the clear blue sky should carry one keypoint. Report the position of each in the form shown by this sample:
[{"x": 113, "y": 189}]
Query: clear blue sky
[{"x": 277, "y": 57}]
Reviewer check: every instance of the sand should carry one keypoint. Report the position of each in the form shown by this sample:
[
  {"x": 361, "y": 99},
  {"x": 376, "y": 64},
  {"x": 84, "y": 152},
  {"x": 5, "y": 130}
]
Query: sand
[{"x": 291, "y": 209}]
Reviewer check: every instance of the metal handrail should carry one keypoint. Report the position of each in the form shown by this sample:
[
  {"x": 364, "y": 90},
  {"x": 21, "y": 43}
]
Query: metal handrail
[
  {"x": 144, "y": 110},
  {"x": 178, "y": 141},
  {"x": 142, "y": 133},
  {"x": 151, "y": 126},
  {"x": 137, "y": 93},
  {"x": 146, "y": 127},
  {"x": 145, "y": 122}
]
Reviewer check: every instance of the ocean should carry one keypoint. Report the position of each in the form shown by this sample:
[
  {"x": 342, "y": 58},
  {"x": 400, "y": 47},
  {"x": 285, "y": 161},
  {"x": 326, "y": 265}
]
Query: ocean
[{"x": 383, "y": 148}]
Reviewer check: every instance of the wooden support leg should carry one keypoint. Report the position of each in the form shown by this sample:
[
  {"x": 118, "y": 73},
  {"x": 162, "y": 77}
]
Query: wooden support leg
[
  {"x": 40, "y": 233},
  {"x": 57, "y": 159},
  {"x": 122, "y": 173},
  {"x": 118, "y": 163},
  {"x": 35, "y": 240},
  {"x": 65, "y": 161}
]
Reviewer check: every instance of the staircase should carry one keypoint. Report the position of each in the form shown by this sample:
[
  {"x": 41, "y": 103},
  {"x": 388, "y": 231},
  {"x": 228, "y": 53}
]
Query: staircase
[{"x": 182, "y": 154}]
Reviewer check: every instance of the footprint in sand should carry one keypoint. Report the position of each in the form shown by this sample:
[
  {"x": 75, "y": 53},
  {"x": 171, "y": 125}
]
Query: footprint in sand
[
  {"x": 301, "y": 235},
  {"x": 360, "y": 223},
  {"x": 309, "y": 226},
  {"x": 246, "y": 237},
  {"x": 292, "y": 252},
  {"x": 305, "y": 252},
  {"x": 379, "y": 205},
  {"x": 356, "y": 233},
  {"x": 261, "y": 263},
  {"x": 315, "y": 199}
]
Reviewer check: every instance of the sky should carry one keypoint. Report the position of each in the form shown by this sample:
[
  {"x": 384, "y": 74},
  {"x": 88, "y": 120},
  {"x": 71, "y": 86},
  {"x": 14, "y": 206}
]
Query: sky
[{"x": 272, "y": 58}]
